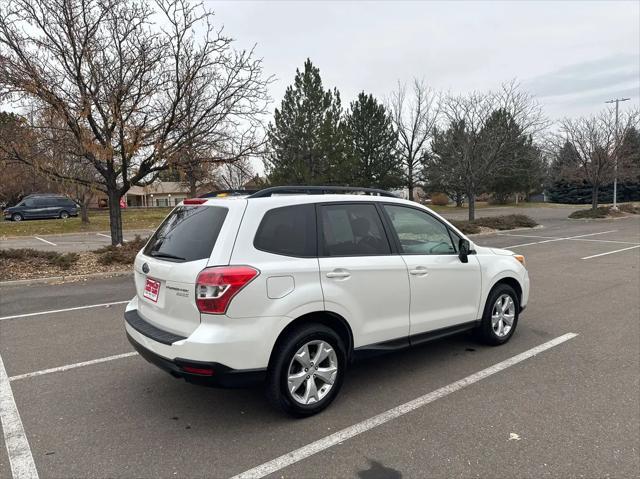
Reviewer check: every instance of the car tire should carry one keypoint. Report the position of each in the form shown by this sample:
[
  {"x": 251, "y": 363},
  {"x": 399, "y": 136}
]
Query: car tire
[
  {"x": 17, "y": 217},
  {"x": 64, "y": 215},
  {"x": 502, "y": 308},
  {"x": 287, "y": 364}
]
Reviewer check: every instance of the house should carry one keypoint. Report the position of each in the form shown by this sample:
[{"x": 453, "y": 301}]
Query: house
[{"x": 160, "y": 193}]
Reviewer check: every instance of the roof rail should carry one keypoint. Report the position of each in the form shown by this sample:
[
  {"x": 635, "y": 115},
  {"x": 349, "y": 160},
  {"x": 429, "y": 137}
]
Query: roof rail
[
  {"x": 318, "y": 190},
  {"x": 221, "y": 193}
]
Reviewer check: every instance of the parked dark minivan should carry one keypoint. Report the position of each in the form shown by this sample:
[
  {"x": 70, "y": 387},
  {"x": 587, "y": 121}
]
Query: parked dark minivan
[{"x": 42, "y": 206}]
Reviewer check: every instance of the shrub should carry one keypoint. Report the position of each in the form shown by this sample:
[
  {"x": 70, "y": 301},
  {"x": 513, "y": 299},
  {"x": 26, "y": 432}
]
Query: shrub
[
  {"x": 630, "y": 208},
  {"x": 600, "y": 212},
  {"x": 439, "y": 199},
  {"x": 506, "y": 222},
  {"x": 466, "y": 227},
  {"x": 52, "y": 258},
  {"x": 124, "y": 254}
]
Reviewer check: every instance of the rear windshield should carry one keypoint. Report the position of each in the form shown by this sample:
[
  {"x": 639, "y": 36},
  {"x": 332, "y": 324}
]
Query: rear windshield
[{"x": 189, "y": 233}]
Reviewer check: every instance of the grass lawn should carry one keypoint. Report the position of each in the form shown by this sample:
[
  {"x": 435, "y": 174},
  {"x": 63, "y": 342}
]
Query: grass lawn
[{"x": 99, "y": 221}]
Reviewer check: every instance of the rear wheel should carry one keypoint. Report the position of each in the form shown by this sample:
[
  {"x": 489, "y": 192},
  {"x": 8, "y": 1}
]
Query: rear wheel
[
  {"x": 64, "y": 215},
  {"x": 16, "y": 217},
  {"x": 307, "y": 370},
  {"x": 500, "y": 316}
]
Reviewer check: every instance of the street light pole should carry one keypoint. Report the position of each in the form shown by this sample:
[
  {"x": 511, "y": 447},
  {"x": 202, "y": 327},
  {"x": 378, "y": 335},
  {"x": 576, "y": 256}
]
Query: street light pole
[{"x": 615, "y": 165}]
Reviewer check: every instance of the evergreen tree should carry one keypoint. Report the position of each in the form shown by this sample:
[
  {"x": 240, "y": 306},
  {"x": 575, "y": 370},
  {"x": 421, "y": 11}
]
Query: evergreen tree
[
  {"x": 306, "y": 144},
  {"x": 371, "y": 143},
  {"x": 444, "y": 167}
]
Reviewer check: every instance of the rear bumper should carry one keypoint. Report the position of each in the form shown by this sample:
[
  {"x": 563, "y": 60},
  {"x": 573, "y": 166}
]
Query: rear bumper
[{"x": 213, "y": 374}]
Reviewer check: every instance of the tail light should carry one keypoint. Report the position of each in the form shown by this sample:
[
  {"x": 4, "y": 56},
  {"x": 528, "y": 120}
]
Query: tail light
[
  {"x": 194, "y": 201},
  {"x": 216, "y": 287}
]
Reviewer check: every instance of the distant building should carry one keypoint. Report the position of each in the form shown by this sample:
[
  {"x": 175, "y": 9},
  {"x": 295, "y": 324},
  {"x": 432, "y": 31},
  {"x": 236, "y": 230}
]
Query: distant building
[{"x": 160, "y": 193}]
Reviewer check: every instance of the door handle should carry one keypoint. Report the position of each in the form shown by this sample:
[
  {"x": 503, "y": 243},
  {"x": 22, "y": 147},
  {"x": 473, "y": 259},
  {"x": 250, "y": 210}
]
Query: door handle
[
  {"x": 419, "y": 271},
  {"x": 338, "y": 274}
]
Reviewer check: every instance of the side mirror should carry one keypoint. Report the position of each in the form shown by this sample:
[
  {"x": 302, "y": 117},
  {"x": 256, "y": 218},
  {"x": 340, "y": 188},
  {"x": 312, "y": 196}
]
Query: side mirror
[{"x": 463, "y": 250}]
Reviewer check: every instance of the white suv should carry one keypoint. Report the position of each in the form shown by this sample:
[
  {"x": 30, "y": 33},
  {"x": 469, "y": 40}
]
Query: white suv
[{"x": 290, "y": 284}]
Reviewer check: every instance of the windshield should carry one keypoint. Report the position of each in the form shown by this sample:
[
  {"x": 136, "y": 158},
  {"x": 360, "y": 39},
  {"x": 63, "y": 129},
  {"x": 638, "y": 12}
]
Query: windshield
[{"x": 189, "y": 233}]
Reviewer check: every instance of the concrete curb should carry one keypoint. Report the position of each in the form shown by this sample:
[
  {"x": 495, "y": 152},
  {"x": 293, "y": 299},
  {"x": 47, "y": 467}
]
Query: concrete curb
[{"x": 51, "y": 279}]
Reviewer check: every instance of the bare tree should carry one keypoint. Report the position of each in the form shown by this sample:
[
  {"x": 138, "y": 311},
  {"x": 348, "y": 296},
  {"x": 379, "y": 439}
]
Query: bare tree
[
  {"x": 123, "y": 77},
  {"x": 414, "y": 117},
  {"x": 595, "y": 146},
  {"x": 484, "y": 122},
  {"x": 235, "y": 175}
]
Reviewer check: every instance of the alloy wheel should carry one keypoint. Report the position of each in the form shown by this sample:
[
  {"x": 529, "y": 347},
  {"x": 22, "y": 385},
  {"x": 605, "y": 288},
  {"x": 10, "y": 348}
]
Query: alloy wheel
[
  {"x": 312, "y": 372},
  {"x": 502, "y": 315}
]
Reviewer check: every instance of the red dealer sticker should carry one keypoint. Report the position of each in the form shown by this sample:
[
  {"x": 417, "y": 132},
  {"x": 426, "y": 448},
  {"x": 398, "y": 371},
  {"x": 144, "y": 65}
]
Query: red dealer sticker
[{"x": 152, "y": 289}]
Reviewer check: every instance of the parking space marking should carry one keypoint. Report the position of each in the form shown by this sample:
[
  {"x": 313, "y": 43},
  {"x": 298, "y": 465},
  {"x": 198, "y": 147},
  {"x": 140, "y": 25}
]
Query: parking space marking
[
  {"x": 611, "y": 252},
  {"x": 101, "y": 234},
  {"x": 571, "y": 239},
  {"x": 15, "y": 439},
  {"x": 72, "y": 366},
  {"x": 368, "y": 424},
  {"x": 560, "y": 239},
  {"x": 52, "y": 311},
  {"x": 45, "y": 241}
]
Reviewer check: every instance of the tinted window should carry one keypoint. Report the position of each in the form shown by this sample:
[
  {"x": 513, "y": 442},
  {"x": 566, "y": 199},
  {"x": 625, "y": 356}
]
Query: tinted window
[
  {"x": 350, "y": 230},
  {"x": 40, "y": 202},
  {"x": 419, "y": 232},
  {"x": 189, "y": 233},
  {"x": 289, "y": 231}
]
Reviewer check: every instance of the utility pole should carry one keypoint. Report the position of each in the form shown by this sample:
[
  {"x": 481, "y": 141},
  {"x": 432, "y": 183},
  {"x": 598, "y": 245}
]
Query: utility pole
[{"x": 617, "y": 145}]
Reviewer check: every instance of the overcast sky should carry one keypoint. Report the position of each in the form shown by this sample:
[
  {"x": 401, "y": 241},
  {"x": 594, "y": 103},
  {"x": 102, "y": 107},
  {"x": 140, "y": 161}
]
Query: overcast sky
[{"x": 572, "y": 55}]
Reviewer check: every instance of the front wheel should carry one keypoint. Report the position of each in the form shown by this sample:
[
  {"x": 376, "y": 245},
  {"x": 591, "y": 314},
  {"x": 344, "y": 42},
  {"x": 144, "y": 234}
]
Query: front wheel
[
  {"x": 500, "y": 316},
  {"x": 64, "y": 215},
  {"x": 16, "y": 217},
  {"x": 307, "y": 370}
]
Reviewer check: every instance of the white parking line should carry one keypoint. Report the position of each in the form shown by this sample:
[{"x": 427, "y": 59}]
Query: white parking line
[
  {"x": 45, "y": 241},
  {"x": 611, "y": 252},
  {"x": 570, "y": 239},
  {"x": 15, "y": 439},
  {"x": 368, "y": 424},
  {"x": 559, "y": 239},
  {"x": 71, "y": 366},
  {"x": 52, "y": 311}
]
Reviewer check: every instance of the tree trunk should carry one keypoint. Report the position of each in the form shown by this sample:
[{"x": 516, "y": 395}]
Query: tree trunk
[
  {"x": 192, "y": 186},
  {"x": 594, "y": 197},
  {"x": 472, "y": 206},
  {"x": 115, "y": 217},
  {"x": 410, "y": 179},
  {"x": 84, "y": 212},
  {"x": 459, "y": 200}
]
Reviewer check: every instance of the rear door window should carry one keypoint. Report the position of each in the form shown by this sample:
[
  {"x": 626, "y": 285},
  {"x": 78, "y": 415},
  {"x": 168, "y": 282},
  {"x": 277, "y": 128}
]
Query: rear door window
[
  {"x": 189, "y": 233},
  {"x": 352, "y": 230},
  {"x": 289, "y": 231}
]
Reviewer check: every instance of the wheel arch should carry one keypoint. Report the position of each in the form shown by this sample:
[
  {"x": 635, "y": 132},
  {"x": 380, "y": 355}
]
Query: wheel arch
[
  {"x": 327, "y": 318},
  {"x": 509, "y": 281}
]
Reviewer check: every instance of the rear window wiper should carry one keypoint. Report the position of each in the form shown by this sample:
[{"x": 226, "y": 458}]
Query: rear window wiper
[{"x": 158, "y": 254}]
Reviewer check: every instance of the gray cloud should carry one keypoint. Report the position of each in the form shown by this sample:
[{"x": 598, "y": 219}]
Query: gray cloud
[{"x": 585, "y": 77}]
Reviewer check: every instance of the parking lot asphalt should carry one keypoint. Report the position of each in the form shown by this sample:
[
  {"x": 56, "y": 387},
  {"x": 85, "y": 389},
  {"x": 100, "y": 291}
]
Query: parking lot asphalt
[
  {"x": 68, "y": 242},
  {"x": 572, "y": 410}
]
